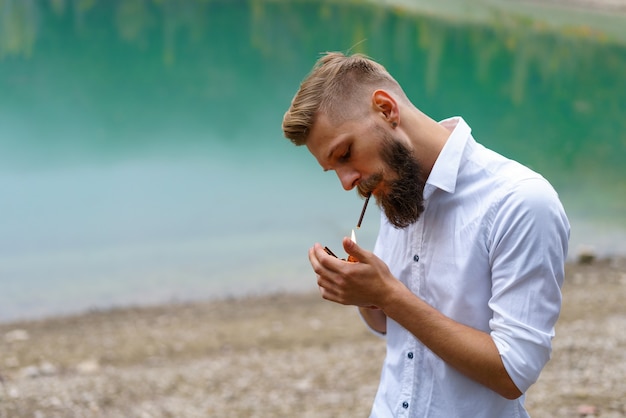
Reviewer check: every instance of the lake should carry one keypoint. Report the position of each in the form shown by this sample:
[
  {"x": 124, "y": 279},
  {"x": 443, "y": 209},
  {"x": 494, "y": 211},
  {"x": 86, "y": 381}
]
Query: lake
[{"x": 142, "y": 158}]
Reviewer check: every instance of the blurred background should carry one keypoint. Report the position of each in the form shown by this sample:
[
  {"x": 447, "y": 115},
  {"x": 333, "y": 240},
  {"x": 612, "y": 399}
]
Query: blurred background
[{"x": 141, "y": 152}]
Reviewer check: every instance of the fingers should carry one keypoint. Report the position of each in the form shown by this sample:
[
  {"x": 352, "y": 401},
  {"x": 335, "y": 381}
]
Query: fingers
[
  {"x": 323, "y": 263},
  {"x": 345, "y": 282},
  {"x": 327, "y": 269},
  {"x": 353, "y": 249},
  {"x": 313, "y": 259},
  {"x": 316, "y": 256},
  {"x": 327, "y": 294}
]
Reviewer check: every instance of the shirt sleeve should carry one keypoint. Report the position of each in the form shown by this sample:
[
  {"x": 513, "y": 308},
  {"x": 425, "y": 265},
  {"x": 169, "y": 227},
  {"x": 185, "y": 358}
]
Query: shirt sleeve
[
  {"x": 372, "y": 330},
  {"x": 527, "y": 250}
]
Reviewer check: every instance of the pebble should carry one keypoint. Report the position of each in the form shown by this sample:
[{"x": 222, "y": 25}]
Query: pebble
[
  {"x": 88, "y": 367},
  {"x": 16, "y": 335}
]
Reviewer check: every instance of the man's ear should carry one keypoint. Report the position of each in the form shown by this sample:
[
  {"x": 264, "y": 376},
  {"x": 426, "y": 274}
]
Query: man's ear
[{"x": 387, "y": 106}]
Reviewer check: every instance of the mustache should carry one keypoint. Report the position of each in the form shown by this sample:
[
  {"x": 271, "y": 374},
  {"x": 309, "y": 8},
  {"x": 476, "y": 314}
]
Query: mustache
[{"x": 367, "y": 186}]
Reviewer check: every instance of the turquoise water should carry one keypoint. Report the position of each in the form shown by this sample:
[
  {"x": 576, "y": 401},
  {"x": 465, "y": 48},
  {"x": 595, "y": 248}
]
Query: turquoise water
[{"x": 142, "y": 161}]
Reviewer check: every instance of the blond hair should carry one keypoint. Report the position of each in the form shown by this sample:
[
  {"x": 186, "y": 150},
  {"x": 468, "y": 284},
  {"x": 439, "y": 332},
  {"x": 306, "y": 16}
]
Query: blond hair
[{"x": 335, "y": 86}]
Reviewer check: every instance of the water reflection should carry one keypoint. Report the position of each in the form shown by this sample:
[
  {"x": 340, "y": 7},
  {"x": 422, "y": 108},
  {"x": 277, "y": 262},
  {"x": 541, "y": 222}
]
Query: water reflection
[{"x": 141, "y": 146}]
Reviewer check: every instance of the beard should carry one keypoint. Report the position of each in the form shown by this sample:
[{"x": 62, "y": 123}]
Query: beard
[{"x": 402, "y": 200}]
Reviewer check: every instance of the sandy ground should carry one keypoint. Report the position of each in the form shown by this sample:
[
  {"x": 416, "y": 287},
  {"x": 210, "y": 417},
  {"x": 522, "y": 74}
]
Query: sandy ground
[{"x": 280, "y": 356}]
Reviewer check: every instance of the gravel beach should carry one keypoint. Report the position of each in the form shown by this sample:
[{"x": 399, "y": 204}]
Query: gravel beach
[{"x": 284, "y": 355}]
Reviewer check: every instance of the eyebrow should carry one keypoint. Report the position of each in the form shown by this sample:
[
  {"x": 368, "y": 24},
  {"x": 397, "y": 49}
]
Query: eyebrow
[
  {"x": 329, "y": 156},
  {"x": 334, "y": 148}
]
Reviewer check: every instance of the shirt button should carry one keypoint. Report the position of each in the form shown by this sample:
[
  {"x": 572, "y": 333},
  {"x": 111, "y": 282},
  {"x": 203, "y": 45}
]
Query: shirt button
[
  {"x": 416, "y": 258},
  {"x": 405, "y": 405},
  {"x": 410, "y": 355}
]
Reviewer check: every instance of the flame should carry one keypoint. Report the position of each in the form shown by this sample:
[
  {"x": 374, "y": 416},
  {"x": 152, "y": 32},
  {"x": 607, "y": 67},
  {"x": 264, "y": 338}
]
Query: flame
[{"x": 351, "y": 258}]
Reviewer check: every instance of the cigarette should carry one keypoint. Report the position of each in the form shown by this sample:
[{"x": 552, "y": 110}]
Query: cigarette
[
  {"x": 329, "y": 252},
  {"x": 367, "y": 199}
]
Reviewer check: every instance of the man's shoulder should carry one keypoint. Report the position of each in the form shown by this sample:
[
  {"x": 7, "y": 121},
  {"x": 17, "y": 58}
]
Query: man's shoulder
[{"x": 484, "y": 164}]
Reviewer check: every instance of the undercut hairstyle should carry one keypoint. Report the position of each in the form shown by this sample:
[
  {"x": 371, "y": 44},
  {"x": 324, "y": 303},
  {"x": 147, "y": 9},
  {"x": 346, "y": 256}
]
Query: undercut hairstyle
[{"x": 338, "y": 86}]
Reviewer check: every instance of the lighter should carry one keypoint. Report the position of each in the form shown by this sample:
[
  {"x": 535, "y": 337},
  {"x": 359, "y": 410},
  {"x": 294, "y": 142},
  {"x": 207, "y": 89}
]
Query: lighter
[{"x": 353, "y": 236}]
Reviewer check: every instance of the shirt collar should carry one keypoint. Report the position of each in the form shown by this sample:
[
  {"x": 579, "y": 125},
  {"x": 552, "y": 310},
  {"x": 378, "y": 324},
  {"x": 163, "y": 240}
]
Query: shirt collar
[{"x": 444, "y": 173}]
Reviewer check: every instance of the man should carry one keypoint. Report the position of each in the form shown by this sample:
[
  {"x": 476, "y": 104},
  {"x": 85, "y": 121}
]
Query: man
[{"x": 465, "y": 278}]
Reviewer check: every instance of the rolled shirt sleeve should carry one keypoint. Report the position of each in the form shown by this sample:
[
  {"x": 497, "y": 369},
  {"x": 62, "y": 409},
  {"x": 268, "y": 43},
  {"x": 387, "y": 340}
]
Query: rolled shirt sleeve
[{"x": 528, "y": 245}]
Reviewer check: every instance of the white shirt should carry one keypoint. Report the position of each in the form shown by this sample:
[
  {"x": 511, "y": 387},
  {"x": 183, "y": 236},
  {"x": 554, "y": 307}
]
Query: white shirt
[{"x": 489, "y": 252}]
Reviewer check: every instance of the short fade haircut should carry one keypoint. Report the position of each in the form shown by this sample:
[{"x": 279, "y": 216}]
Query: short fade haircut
[{"x": 334, "y": 87}]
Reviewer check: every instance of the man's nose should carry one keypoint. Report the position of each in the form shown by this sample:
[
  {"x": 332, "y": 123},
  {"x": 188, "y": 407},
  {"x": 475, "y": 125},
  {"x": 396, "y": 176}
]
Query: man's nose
[{"x": 348, "y": 178}]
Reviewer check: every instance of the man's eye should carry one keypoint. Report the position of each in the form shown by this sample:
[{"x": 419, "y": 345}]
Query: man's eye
[{"x": 345, "y": 156}]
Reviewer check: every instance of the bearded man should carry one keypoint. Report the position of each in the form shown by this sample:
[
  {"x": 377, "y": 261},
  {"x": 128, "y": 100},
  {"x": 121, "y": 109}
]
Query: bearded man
[{"x": 465, "y": 278}]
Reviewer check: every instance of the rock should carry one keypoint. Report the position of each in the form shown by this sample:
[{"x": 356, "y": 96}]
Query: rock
[
  {"x": 586, "y": 255},
  {"x": 47, "y": 369},
  {"x": 16, "y": 335},
  {"x": 88, "y": 367},
  {"x": 44, "y": 369},
  {"x": 29, "y": 372},
  {"x": 587, "y": 410},
  {"x": 316, "y": 324},
  {"x": 11, "y": 362}
]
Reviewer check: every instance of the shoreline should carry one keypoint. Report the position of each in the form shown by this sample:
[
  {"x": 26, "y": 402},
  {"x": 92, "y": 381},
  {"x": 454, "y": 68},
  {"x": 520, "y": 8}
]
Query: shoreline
[
  {"x": 601, "y": 19},
  {"x": 280, "y": 355},
  {"x": 584, "y": 258}
]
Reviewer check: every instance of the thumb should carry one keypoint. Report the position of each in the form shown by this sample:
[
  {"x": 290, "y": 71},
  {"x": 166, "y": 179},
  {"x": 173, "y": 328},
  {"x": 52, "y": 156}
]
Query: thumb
[{"x": 353, "y": 250}]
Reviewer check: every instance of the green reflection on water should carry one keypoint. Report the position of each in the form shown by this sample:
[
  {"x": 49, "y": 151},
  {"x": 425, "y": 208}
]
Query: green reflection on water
[
  {"x": 111, "y": 92},
  {"x": 92, "y": 70}
]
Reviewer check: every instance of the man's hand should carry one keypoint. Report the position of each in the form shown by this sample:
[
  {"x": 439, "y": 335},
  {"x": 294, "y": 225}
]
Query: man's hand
[{"x": 364, "y": 283}]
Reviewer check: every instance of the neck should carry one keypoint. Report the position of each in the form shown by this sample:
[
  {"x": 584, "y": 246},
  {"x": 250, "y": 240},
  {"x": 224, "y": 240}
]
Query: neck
[{"x": 427, "y": 138}]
